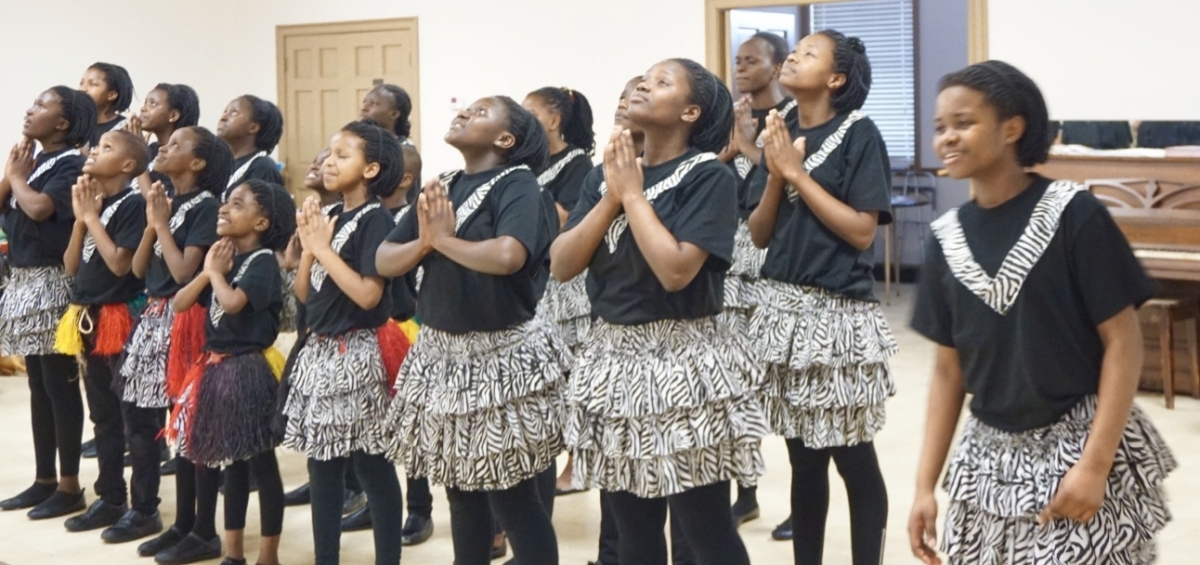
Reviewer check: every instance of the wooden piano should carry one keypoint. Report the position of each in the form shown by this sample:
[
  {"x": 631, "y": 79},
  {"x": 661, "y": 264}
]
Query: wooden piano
[{"x": 1156, "y": 203}]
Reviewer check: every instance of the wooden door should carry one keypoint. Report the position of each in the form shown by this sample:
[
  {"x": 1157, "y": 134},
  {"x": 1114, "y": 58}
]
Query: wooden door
[{"x": 324, "y": 72}]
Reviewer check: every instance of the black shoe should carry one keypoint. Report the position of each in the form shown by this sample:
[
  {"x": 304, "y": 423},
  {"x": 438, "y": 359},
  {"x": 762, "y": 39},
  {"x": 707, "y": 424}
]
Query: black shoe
[
  {"x": 190, "y": 550},
  {"x": 164, "y": 541},
  {"x": 100, "y": 514},
  {"x": 36, "y": 494},
  {"x": 133, "y": 525},
  {"x": 353, "y": 502},
  {"x": 360, "y": 520},
  {"x": 169, "y": 467},
  {"x": 297, "y": 497},
  {"x": 744, "y": 510},
  {"x": 88, "y": 449},
  {"x": 417, "y": 530},
  {"x": 232, "y": 561},
  {"x": 59, "y": 504},
  {"x": 783, "y": 532}
]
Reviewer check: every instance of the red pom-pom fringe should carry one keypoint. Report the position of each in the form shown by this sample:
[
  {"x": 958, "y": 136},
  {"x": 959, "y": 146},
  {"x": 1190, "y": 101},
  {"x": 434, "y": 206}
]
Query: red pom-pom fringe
[
  {"x": 187, "y": 343},
  {"x": 394, "y": 345},
  {"x": 113, "y": 329}
]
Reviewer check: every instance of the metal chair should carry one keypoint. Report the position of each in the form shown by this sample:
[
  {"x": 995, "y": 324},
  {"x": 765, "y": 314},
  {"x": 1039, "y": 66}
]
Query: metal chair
[{"x": 914, "y": 195}]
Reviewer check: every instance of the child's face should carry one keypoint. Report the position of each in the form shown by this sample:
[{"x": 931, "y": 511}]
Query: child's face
[
  {"x": 754, "y": 68},
  {"x": 969, "y": 136},
  {"x": 237, "y": 121},
  {"x": 108, "y": 158},
  {"x": 542, "y": 112},
  {"x": 178, "y": 154},
  {"x": 241, "y": 215},
  {"x": 482, "y": 124},
  {"x": 810, "y": 67},
  {"x": 315, "y": 179},
  {"x": 663, "y": 97},
  {"x": 378, "y": 107},
  {"x": 95, "y": 83},
  {"x": 621, "y": 116},
  {"x": 44, "y": 117},
  {"x": 156, "y": 112},
  {"x": 347, "y": 167}
]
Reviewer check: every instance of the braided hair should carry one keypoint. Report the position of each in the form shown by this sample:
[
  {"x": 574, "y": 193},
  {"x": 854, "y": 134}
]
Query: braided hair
[
  {"x": 531, "y": 147},
  {"x": 711, "y": 130},
  {"x": 218, "y": 160},
  {"x": 779, "y": 46},
  {"x": 270, "y": 122},
  {"x": 279, "y": 209},
  {"x": 118, "y": 81},
  {"x": 575, "y": 112},
  {"x": 379, "y": 146},
  {"x": 183, "y": 99},
  {"x": 79, "y": 110},
  {"x": 1012, "y": 93},
  {"x": 850, "y": 59},
  {"x": 402, "y": 104}
]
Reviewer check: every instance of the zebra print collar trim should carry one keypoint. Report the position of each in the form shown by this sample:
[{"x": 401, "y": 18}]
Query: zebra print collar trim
[
  {"x": 401, "y": 213},
  {"x": 556, "y": 169},
  {"x": 831, "y": 143},
  {"x": 216, "y": 311},
  {"x": 89, "y": 243},
  {"x": 1001, "y": 292},
  {"x": 178, "y": 217},
  {"x": 241, "y": 172},
  {"x": 318, "y": 274},
  {"x": 621, "y": 223},
  {"x": 468, "y": 208},
  {"x": 745, "y": 165}
]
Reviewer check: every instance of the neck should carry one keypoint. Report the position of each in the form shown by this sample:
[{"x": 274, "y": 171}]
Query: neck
[
  {"x": 639, "y": 143},
  {"x": 247, "y": 243},
  {"x": 113, "y": 185},
  {"x": 814, "y": 109},
  {"x": 664, "y": 145},
  {"x": 355, "y": 197},
  {"x": 479, "y": 162},
  {"x": 162, "y": 135},
  {"x": 557, "y": 144},
  {"x": 107, "y": 116},
  {"x": 328, "y": 197},
  {"x": 766, "y": 98},
  {"x": 52, "y": 145},
  {"x": 1003, "y": 183},
  {"x": 242, "y": 147},
  {"x": 397, "y": 200},
  {"x": 184, "y": 184}
]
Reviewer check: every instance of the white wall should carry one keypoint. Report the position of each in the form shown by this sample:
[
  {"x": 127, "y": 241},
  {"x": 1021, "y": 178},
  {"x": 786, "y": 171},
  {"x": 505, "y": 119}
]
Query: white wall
[{"x": 1104, "y": 59}]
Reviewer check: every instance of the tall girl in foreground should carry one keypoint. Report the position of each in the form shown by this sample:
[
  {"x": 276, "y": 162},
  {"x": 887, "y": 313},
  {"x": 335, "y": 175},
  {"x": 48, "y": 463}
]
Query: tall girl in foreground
[
  {"x": 339, "y": 380},
  {"x": 817, "y": 324},
  {"x": 660, "y": 409},
  {"x": 1031, "y": 293},
  {"x": 478, "y": 405}
]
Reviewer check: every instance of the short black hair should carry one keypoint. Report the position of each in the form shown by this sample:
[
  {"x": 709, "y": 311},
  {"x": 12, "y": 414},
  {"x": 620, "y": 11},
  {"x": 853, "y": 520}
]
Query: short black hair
[
  {"x": 403, "y": 104},
  {"x": 531, "y": 148},
  {"x": 118, "y": 81},
  {"x": 136, "y": 146},
  {"x": 576, "y": 114},
  {"x": 778, "y": 45},
  {"x": 218, "y": 160},
  {"x": 850, "y": 59},
  {"x": 270, "y": 122},
  {"x": 280, "y": 210},
  {"x": 412, "y": 160},
  {"x": 183, "y": 99},
  {"x": 379, "y": 146},
  {"x": 1012, "y": 93},
  {"x": 711, "y": 130},
  {"x": 79, "y": 110}
]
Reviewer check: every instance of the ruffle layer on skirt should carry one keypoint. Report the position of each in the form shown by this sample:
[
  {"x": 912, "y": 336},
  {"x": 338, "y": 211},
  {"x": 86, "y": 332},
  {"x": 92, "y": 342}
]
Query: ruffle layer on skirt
[
  {"x": 226, "y": 412},
  {"x": 567, "y": 304},
  {"x": 339, "y": 397},
  {"x": 659, "y": 408},
  {"x": 144, "y": 367},
  {"x": 481, "y": 410},
  {"x": 32, "y": 304},
  {"x": 747, "y": 259},
  {"x": 999, "y": 481},
  {"x": 287, "y": 316}
]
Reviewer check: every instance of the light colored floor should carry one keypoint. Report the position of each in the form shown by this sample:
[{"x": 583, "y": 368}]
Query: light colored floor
[{"x": 577, "y": 517}]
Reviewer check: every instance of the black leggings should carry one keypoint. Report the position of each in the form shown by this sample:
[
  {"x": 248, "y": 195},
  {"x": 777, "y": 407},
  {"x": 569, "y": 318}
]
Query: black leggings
[
  {"x": 196, "y": 490},
  {"x": 705, "y": 522},
  {"x": 327, "y": 484},
  {"x": 104, "y": 409},
  {"x": 56, "y": 410},
  {"x": 521, "y": 514},
  {"x": 270, "y": 493},
  {"x": 867, "y": 495},
  {"x": 142, "y": 426}
]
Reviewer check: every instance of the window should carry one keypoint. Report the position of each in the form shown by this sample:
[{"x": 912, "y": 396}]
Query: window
[{"x": 886, "y": 28}]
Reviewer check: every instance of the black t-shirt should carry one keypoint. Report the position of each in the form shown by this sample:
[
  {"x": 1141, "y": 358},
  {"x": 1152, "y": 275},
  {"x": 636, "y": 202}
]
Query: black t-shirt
[
  {"x": 261, "y": 167},
  {"x": 803, "y": 250},
  {"x": 256, "y": 326},
  {"x": 328, "y": 310},
  {"x": 94, "y": 283},
  {"x": 1029, "y": 366},
  {"x": 456, "y": 299},
  {"x": 104, "y": 128},
  {"x": 564, "y": 174},
  {"x": 752, "y": 177},
  {"x": 193, "y": 224},
  {"x": 404, "y": 288},
  {"x": 42, "y": 244},
  {"x": 699, "y": 210}
]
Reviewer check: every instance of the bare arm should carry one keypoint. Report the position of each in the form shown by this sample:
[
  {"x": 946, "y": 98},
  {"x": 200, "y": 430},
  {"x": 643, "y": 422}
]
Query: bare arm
[
  {"x": 365, "y": 291},
  {"x": 674, "y": 263},
  {"x": 763, "y": 217},
  {"x": 74, "y": 254},
  {"x": 190, "y": 293},
  {"x": 118, "y": 259},
  {"x": 854, "y": 227},
  {"x": 946, "y": 396},
  {"x": 145, "y": 250},
  {"x": 573, "y": 249},
  {"x": 500, "y": 256},
  {"x": 303, "y": 277},
  {"x": 397, "y": 259},
  {"x": 233, "y": 300}
]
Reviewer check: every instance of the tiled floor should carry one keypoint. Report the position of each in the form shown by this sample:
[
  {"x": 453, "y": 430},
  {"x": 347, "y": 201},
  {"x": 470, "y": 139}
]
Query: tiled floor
[{"x": 576, "y": 517}]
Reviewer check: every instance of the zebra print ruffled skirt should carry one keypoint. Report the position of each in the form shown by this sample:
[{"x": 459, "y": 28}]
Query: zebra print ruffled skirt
[
  {"x": 287, "y": 316},
  {"x": 480, "y": 410},
  {"x": 226, "y": 413},
  {"x": 999, "y": 481},
  {"x": 339, "y": 397},
  {"x": 741, "y": 282},
  {"x": 567, "y": 304},
  {"x": 826, "y": 358},
  {"x": 30, "y": 308},
  {"x": 663, "y": 407},
  {"x": 144, "y": 367}
]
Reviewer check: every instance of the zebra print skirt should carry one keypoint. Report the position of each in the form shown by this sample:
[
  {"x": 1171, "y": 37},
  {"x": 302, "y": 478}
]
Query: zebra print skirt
[
  {"x": 339, "y": 397},
  {"x": 287, "y": 316},
  {"x": 226, "y": 413},
  {"x": 741, "y": 282},
  {"x": 143, "y": 376},
  {"x": 826, "y": 358},
  {"x": 659, "y": 408},
  {"x": 567, "y": 304},
  {"x": 999, "y": 481},
  {"x": 481, "y": 410},
  {"x": 30, "y": 308}
]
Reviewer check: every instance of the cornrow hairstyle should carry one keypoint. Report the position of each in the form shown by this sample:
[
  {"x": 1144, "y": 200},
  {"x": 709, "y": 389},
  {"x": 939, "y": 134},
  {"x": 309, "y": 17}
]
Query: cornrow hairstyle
[
  {"x": 575, "y": 112},
  {"x": 711, "y": 130},
  {"x": 850, "y": 59},
  {"x": 531, "y": 147},
  {"x": 137, "y": 148},
  {"x": 1012, "y": 93},
  {"x": 403, "y": 104},
  {"x": 183, "y": 99},
  {"x": 379, "y": 146},
  {"x": 218, "y": 160},
  {"x": 269, "y": 120},
  {"x": 118, "y": 81},
  {"x": 279, "y": 209},
  {"x": 79, "y": 110},
  {"x": 779, "y": 46}
]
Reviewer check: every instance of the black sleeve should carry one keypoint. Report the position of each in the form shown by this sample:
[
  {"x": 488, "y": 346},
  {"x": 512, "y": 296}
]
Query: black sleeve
[
  {"x": 58, "y": 186},
  {"x": 406, "y": 230},
  {"x": 264, "y": 169},
  {"x": 202, "y": 228},
  {"x": 1105, "y": 272},
  {"x": 372, "y": 230},
  {"x": 868, "y": 175},
  {"x": 128, "y": 223},
  {"x": 708, "y": 214},
  {"x": 750, "y": 192},
  {"x": 570, "y": 182},
  {"x": 932, "y": 316},
  {"x": 589, "y": 195},
  {"x": 262, "y": 282},
  {"x": 518, "y": 207}
]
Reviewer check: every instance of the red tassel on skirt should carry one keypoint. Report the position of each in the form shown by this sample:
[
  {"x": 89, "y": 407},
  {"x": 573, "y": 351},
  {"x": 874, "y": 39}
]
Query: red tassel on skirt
[
  {"x": 394, "y": 345},
  {"x": 113, "y": 329},
  {"x": 187, "y": 342}
]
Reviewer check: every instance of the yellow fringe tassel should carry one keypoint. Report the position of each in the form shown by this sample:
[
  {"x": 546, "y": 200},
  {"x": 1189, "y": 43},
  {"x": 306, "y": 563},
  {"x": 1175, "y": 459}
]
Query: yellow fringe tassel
[
  {"x": 411, "y": 328},
  {"x": 276, "y": 360},
  {"x": 67, "y": 339}
]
